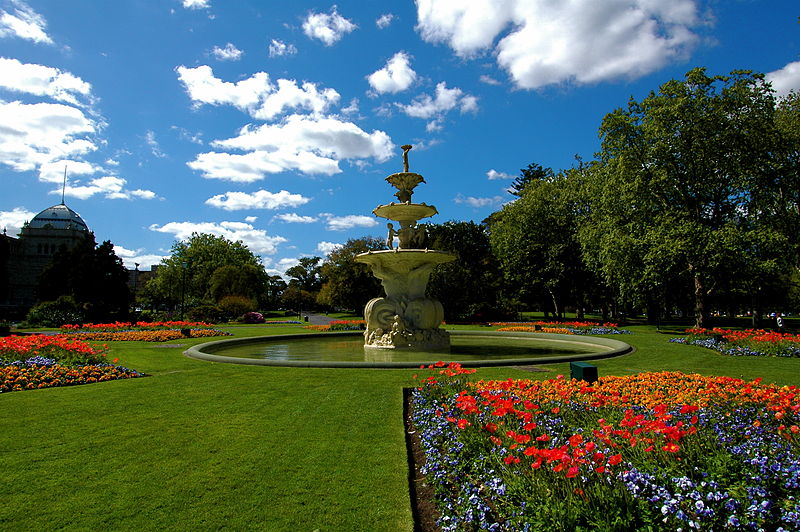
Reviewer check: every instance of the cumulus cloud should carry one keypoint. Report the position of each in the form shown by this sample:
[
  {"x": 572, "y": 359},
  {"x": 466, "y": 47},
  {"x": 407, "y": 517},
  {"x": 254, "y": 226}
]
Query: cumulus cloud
[
  {"x": 130, "y": 258},
  {"x": 305, "y": 144},
  {"x": 489, "y": 80},
  {"x": 327, "y": 27},
  {"x": 327, "y": 247},
  {"x": 11, "y": 221},
  {"x": 543, "y": 43},
  {"x": 494, "y": 174},
  {"x": 260, "y": 199},
  {"x": 228, "y": 53},
  {"x": 24, "y": 23},
  {"x": 786, "y": 80},
  {"x": 196, "y": 4},
  {"x": 279, "y": 48},
  {"x": 435, "y": 107},
  {"x": 256, "y": 95},
  {"x": 32, "y": 134},
  {"x": 293, "y": 217},
  {"x": 396, "y": 76},
  {"x": 343, "y": 223},
  {"x": 478, "y": 202},
  {"x": 384, "y": 20},
  {"x": 109, "y": 186},
  {"x": 256, "y": 239},
  {"x": 41, "y": 80}
]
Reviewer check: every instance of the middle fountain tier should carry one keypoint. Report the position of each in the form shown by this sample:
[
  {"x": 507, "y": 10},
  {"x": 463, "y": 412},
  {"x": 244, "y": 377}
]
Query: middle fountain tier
[{"x": 406, "y": 318}]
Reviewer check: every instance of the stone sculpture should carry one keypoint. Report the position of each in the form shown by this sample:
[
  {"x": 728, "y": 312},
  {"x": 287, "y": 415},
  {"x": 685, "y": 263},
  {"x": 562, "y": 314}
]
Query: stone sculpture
[{"x": 406, "y": 318}]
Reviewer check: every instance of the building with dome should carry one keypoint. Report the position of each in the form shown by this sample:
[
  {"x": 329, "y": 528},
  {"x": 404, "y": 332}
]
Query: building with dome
[{"x": 23, "y": 259}]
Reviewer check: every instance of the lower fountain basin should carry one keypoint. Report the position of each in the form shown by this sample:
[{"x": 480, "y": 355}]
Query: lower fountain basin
[{"x": 346, "y": 350}]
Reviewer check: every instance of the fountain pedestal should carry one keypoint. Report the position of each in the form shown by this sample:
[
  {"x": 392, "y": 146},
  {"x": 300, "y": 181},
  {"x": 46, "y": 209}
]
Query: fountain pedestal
[{"x": 406, "y": 318}]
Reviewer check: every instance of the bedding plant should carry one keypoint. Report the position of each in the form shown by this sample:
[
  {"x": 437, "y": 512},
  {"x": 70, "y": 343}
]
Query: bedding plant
[
  {"x": 39, "y": 361},
  {"x": 748, "y": 342},
  {"x": 652, "y": 451}
]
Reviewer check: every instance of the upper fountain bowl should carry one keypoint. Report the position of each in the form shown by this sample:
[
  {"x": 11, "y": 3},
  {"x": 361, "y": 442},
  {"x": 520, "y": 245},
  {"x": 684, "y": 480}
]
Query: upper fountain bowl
[{"x": 405, "y": 212}]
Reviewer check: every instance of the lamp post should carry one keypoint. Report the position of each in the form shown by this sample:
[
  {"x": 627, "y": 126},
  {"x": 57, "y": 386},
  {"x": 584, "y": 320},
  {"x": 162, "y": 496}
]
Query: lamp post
[{"x": 184, "y": 266}]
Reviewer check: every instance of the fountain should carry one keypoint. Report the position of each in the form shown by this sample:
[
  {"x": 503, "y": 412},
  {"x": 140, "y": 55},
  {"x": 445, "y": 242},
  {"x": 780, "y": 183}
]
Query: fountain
[{"x": 406, "y": 318}]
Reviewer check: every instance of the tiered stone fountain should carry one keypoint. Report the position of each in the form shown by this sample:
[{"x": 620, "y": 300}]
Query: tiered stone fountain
[{"x": 406, "y": 318}]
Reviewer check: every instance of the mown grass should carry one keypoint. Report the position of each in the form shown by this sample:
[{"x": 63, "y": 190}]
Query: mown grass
[{"x": 199, "y": 445}]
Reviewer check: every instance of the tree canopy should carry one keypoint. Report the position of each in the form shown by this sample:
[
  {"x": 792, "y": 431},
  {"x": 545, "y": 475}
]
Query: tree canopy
[{"x": 348, "y": 284}]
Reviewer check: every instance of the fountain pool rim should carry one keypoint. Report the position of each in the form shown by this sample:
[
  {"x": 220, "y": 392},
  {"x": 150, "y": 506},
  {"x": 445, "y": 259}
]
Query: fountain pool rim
[{"x": 610, "y": 348}]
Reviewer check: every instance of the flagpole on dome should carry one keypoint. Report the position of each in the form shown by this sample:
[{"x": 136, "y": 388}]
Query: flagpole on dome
[{"x": 64, "y": 186}]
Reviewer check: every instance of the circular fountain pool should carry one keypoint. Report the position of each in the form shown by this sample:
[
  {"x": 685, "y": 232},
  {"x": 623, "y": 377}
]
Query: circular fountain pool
[{"x": 346, "y": 350}]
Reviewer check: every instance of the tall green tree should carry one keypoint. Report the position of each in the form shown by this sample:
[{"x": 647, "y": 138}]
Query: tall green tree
[
  {"x": 93, "y": 276},
  {"x": 468, "y": 287},
  {"x": 535, "y": 239},
  {"x": 346, "y": 283},
  {"x": 246, "y": 280},
  {"x": 304, "y": 284},
  {"x": 534, "y": 173},
  {"x": 680, "y": 188},
  {"x": 186, "y": 275}
]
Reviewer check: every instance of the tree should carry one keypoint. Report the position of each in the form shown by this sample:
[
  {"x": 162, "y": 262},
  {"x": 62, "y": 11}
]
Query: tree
[
  {"x": 185, "y": 276},
  {"x": 534, "y": 173},
  {"x": 304, "y": 283},
  {"x": 244, "y": 280},
  {"x": 535, "y": 239},
  {"x": 93, "y": 276},
  {"x": 349, "y": 284},
  {"x": 469, "y": 286},
  {"x": 681, "y": 188}
]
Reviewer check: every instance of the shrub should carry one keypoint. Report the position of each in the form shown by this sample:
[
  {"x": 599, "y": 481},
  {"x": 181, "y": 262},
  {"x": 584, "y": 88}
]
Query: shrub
[
  {"x": 234, "y": 306},
  {"x": 208, "y": 313},
  {"x": 253, "y": 317},
  {"x": 55, "y": 313}
]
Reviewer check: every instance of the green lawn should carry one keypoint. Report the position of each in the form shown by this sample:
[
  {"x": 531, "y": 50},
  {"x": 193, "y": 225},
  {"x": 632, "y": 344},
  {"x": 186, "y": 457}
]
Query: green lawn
[{"x": 200, "y": 446}]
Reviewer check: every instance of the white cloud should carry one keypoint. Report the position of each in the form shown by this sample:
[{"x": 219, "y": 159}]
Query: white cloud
[
  {"x": 257, "y": 240},
  {"x": 24, "y": 23},
  {"x": 130, "y": 258},
  {"x": 305, "y": 144},
  {"x": 111, "y": 187},
  {"x": 255, "y": 95},
  {"x": 260, "y": 199},
  {"x": 279, "y": 48},
  {"x": 396, "y": 76},
  {"x": 546, "y": 43},
  {"x": 33, "y": 134},
  {"x": 436, "y": 107},
  {"x": 384, "y": 20},
  {"x": 11, "y": 221},
  {"x": 786, "y": 80},
  {"x": 229, "y": 53},
  {"x": 292, "y": 217},
  {"x": 328, "y": 28},
  {"x": 343, "y": 223},
  {"x": 326, "y": 247},
  {"x": 489, "y": 80},
  {"x": 41, "y": 80},
  {"x": 479, "y": 202},
  {"x": 196, "y": 4},
  {"x": 494, "y": 174},
  {"x": 155, "y": 148}
]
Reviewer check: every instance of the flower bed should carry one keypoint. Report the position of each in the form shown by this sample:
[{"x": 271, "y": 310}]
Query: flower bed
[
  {"x": 33, "y": 362},
  {"x": 749, "y": 342},
  {"x": 163, "y": 335},
  {"x": 562, "y": 327},
  {"x": 339, "y": 325},
  {"x": 139, "y": 325},
  {"x": 661, "y": 451}
]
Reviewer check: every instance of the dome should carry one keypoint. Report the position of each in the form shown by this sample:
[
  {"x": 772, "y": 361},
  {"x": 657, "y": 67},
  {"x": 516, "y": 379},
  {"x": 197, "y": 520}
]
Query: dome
[{"x": 58, "y": 217}]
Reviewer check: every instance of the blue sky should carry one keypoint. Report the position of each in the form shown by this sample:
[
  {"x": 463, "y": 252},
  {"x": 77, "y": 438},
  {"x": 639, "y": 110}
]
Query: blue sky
[{"x": 275, "y": 123}]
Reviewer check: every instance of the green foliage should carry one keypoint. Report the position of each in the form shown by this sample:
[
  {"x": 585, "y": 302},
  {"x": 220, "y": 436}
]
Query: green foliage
[
  {"x": 348, "y": 284},
  {"x": 683, "y": 191},
  {"x": 244, "y": 280},
  {"x": 235, "y": 306},
  {"x": 93, "y": 276},
  {"x": 534, "y": 173},
  {"x": 206, "y": 313},
  {"x": 62, "y": 311},
  {"x": 186, "y": 275},
  {"x": 469, "y": 286},
  {"x": 306, "y": 274}
]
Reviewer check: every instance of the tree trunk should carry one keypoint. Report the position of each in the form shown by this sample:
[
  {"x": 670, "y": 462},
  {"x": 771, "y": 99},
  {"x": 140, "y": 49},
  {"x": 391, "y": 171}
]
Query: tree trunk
[
  {"x": 556, "y": 309},
  {"x": 702, "y": 319}
]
